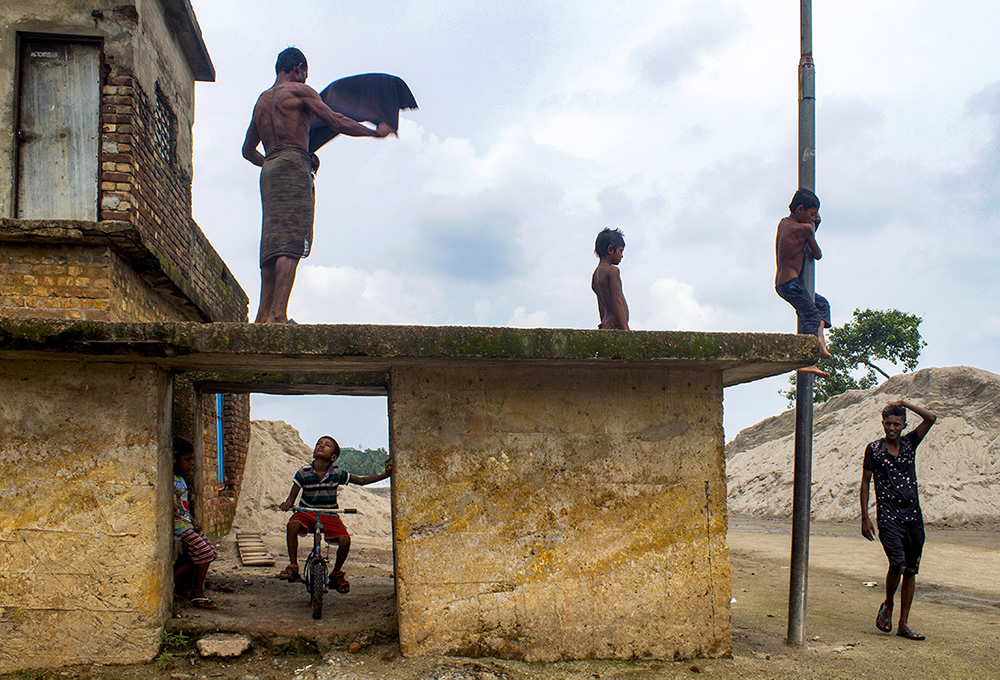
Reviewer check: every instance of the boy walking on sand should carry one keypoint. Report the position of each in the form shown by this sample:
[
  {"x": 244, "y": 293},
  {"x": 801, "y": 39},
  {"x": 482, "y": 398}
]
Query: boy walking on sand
[
  {"x": 794, "y": 233},
  {"x": 198, "y": 552},
  {"x": 607, "y": 280},
  {"x": 891, "y": 461},
  {"x": 318, "y": 483}
]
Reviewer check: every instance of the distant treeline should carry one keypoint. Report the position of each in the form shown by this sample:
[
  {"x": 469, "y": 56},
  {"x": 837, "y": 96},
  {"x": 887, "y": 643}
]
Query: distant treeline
[{"x": 367, "y": 462}]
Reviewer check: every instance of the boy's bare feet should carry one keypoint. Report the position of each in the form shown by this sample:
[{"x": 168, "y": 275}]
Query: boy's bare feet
[{"x": 815, "y": 371}]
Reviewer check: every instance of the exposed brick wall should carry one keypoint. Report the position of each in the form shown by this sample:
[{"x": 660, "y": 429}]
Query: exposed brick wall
[
  {"x": 142, "y": 183},
  {"x": 60, "y": 282},
  {"x": 133, "y": 300},
  {"x": 236, "y": 419},
  {"x": 76, "y": 282},
  {"x": 217, "y": 501}
]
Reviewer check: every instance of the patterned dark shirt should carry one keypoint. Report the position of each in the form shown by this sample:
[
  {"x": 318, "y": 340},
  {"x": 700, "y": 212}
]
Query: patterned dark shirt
[
  {"x": 320, "y": 493},
  {"x": 895, "y": 479}
]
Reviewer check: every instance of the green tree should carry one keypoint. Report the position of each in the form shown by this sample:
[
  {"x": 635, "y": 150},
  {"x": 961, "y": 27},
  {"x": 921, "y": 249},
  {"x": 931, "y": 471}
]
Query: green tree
[
  {"x": 872, "y": 335},
  {"x": 362, "y": 463}
]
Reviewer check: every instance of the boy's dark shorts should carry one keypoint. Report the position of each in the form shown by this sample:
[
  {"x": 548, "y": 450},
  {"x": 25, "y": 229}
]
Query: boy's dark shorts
[
  {"x": 903, "y": 543},
  {"x": 810, "y": 313},
  {"x": 332, "y": 526}
]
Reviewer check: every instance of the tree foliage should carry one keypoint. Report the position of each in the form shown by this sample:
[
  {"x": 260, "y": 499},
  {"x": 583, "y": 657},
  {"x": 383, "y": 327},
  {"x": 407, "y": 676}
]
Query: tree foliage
[
  {"x": 363, "y": 463},
  {"x": 872, "y": 335}
]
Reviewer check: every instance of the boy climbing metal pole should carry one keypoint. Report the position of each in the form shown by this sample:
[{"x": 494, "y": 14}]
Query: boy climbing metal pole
[{"x": 794, "y": 233}]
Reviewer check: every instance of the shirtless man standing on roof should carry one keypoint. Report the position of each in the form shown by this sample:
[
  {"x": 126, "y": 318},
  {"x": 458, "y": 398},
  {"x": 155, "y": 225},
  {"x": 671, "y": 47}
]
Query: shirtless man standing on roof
[{"x": 281, "y": 120}]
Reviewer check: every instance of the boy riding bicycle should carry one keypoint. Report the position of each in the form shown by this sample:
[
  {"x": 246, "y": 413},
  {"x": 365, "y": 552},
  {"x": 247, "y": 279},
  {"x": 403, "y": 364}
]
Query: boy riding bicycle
[{"x": 318, "y": 483}]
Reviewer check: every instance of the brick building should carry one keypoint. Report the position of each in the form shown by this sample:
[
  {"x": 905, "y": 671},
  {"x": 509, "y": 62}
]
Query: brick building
[{"x": 96, "y": 110}]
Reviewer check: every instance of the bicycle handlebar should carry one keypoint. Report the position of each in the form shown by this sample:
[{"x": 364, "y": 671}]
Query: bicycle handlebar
[{"x": 324, "y": 511}]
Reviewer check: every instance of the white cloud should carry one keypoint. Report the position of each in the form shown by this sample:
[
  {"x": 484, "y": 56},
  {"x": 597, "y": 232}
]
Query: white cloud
[
  {"x": 673, "y": 306},
  {"x": 348, "y": 295},
  {"x": 522, "y": 319}
]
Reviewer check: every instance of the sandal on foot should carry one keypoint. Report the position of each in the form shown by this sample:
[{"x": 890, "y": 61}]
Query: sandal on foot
[
  {"x": 290, "y": 573},
  {"x": 910, "y": 634},
  {"x": 340, "y": 582},
  {"x": 883, "y": 622},
  {"x": 203, "y": 602}
]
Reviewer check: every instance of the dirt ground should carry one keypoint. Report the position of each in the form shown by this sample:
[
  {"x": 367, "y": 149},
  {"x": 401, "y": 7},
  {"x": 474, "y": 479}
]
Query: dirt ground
[{"x": 957, "y": 606}]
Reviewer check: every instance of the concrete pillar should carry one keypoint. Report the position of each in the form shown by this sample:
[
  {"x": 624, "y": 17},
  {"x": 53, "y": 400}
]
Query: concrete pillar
[
  {"x": 85, "y": 512},
  {"x": 547, "y": 512}
]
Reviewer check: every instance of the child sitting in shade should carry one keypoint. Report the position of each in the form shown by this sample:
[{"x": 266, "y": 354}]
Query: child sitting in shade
[{"x": 192, "y": 567}]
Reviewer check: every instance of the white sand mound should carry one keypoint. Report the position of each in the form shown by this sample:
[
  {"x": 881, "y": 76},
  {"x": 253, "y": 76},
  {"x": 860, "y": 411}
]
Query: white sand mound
[
  {"x": 958, "y": 464},
  {"x": 275, "y": 453}
]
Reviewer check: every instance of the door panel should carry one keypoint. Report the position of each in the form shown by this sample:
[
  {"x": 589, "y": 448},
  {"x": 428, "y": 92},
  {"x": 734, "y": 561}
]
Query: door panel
[{"x": 59, "y": 130}]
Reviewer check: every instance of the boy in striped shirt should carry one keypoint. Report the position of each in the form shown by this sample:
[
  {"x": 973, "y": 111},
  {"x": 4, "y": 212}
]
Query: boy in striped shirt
[{"x": 318, "y": 483}]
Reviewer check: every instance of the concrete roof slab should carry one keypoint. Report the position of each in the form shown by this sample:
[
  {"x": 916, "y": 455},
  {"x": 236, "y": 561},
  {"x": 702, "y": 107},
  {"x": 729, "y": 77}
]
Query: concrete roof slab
[{"x": 239, "y": 350}]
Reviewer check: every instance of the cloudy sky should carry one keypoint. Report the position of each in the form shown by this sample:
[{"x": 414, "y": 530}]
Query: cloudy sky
[{"x": 542, "y": 122}]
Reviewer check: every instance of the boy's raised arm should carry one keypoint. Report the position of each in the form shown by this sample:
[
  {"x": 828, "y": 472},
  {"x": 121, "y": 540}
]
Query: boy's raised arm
[
  {"x": 817, "y": 253},
  {"x": 929, "y": 417},
  {"x": 368, "y": 479}
]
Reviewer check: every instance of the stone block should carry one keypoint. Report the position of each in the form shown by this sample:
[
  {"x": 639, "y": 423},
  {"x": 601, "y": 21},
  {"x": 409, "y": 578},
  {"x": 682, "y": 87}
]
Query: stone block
[{"x": 223, "y": 644}]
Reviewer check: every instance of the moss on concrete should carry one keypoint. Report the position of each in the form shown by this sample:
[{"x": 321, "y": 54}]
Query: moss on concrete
[
  {"x": 456, "y": 342},
  {"x": 256, "y": 348}
]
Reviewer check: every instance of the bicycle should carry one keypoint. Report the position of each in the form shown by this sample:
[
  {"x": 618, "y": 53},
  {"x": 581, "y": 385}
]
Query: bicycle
[{"x": 316, "y": 572}]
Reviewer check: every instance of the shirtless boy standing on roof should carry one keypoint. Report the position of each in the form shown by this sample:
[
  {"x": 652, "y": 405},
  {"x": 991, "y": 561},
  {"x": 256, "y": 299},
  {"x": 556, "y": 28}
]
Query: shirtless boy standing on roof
[
  {"x": 607, "y": 280},
  {"x": 794, "y": 233}
]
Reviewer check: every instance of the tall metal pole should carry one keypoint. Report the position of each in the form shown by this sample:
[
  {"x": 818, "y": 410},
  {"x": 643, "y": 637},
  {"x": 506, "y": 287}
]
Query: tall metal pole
[{"x": 801, "y": 500}]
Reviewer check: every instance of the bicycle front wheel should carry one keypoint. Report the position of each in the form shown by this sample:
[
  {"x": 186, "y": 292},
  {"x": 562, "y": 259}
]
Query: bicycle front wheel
[{"x": 316, "y": 578}]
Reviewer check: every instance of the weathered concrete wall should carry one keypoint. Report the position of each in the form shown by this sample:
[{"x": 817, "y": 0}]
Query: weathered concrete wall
[
  {"x": 85, "y": 512},
  {"x": 548, "y": 513},
  {"x": 558, "y": 493}
]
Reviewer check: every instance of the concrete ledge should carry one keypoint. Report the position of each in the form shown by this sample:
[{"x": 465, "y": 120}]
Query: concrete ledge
[{"x": 239, "y": 349}]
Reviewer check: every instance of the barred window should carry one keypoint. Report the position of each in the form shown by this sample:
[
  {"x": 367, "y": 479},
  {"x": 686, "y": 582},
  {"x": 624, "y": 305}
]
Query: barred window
[{"x": 164, "y": 129}]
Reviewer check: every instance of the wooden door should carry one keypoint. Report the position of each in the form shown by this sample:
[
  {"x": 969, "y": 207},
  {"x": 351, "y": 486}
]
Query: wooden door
[{"x": 58, "y": 129}]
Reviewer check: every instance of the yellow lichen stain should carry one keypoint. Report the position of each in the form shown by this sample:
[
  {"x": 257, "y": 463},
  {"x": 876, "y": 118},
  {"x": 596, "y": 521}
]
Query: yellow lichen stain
[
  {"x": 670, "y": 525},
  {"x": 152, "y": 590},
  {"x": 407, "y": 529},
  {"x": 545, "y": 562},
  {"x": 504, "y": 461}
]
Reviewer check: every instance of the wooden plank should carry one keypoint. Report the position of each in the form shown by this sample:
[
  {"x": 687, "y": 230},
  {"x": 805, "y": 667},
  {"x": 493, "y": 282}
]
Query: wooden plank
[{"x": 253, "y": 552}]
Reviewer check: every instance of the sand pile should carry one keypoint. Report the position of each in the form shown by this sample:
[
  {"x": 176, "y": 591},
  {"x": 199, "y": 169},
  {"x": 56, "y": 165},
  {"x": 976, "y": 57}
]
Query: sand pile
[
  {"x": 958, "y": 464},
  {"x": 276, "y": 451}
]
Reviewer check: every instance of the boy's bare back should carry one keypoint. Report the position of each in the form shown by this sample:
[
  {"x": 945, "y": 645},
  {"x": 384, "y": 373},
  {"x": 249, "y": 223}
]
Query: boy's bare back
[
  {"x": 789, "y": 243},
  {"x": 611, "y": 305}
]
